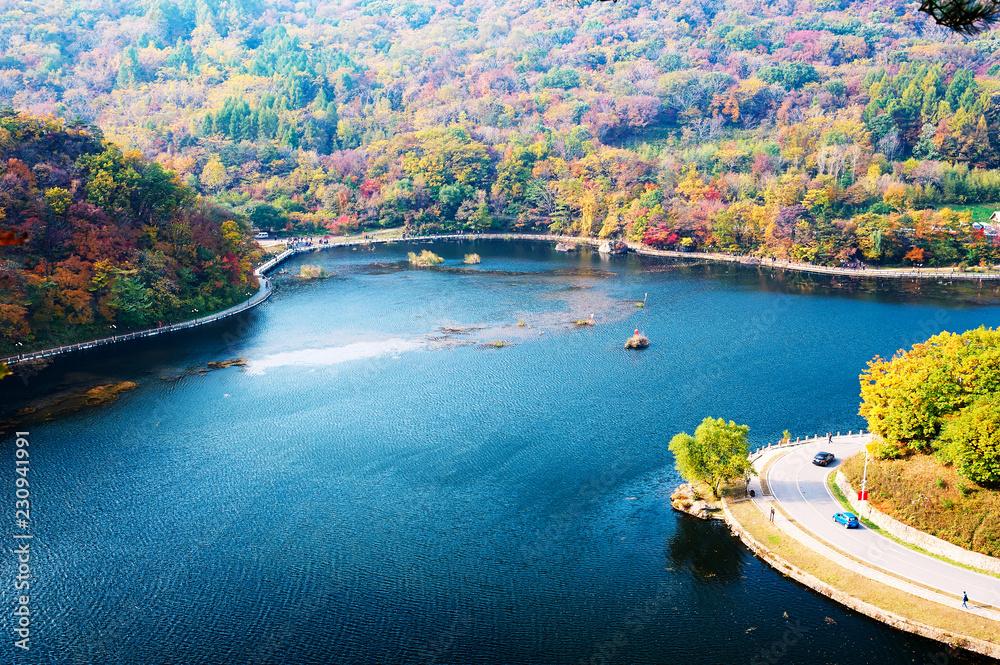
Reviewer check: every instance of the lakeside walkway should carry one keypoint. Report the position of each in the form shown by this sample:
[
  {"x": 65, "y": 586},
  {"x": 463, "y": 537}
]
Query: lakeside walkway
[
  {"x": 263, "y": 293},
  {"x": 874, "y": 559},
  {"x": 266, "y": 289}
]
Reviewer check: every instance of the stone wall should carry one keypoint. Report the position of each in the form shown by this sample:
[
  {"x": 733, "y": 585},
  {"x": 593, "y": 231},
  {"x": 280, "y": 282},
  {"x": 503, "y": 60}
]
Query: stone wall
[
  {"x": 890, "y": 618},
  {"x": 910, "y": 535}
]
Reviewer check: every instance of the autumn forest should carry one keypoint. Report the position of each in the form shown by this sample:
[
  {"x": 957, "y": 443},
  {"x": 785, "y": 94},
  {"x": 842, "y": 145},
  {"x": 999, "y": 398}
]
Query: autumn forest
[{"x": 142, "y": 142}]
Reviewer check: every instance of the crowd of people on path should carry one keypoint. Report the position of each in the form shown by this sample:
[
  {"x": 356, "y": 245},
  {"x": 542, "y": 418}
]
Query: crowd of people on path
[{"x": 306, "y": 241}]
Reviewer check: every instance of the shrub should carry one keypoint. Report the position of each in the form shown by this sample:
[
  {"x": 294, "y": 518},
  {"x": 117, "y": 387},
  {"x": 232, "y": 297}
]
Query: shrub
[
  {"x": 312, "y": 272},
  {"x": 471, "y": 259},
  {"x": 425, "y": 259}
]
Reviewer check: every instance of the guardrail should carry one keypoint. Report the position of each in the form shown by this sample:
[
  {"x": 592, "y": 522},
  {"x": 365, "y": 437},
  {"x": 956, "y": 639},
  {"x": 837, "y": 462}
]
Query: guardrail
[
  {"x": 265, "y": 289},
  {"x": 801, "y": 441},
  {"x": 263, "y": 293},
  {"x": 639, "y": 248}
]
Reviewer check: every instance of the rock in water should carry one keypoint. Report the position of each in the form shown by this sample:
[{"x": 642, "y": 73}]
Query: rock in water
[
  {"x": 686, "y": 500},
  {"x": 223, "y": 364},
  {"x": 637, "y": 342}
]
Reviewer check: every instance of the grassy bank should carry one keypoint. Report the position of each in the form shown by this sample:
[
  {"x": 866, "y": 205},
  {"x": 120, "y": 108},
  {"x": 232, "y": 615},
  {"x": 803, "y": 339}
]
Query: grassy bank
[
  {"x": 831, "y": 482},
  {"x": 917, "y": 609},
  {"x": 923, "y": 493},
  {"x": 980, "y": 211}
]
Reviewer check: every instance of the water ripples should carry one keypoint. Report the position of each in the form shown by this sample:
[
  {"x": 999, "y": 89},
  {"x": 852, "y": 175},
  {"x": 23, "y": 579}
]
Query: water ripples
[{"x": 373, "y": 489}]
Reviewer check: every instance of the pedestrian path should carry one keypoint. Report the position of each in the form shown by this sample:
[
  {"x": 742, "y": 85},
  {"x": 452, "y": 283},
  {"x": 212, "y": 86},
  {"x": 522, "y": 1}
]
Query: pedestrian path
[
  {"x": 765, "y": 502},
  {"x": 265, "y": 288}
]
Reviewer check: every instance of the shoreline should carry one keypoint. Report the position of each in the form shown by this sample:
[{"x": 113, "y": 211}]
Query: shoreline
[
  {"x": 780, "y": 564},
  {"x": 881, "y": 594},
  {"x": 265, "y": 289}
]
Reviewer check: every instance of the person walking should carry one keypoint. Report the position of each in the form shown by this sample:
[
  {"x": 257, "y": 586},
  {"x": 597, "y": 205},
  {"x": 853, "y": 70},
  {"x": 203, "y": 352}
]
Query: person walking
[{"x": 965, "y": 600}]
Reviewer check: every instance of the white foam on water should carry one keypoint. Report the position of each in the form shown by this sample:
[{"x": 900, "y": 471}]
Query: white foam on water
[{"x": 333, "y": 355}]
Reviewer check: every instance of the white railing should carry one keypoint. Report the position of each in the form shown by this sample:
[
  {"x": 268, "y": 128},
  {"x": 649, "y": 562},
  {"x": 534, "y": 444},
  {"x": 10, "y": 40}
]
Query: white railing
[
  {"x": 801, "y": 441},
  {"x": 265, "y": 287}
]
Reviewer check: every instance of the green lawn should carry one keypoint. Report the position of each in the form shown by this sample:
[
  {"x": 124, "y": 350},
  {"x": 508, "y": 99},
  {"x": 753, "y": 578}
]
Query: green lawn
[{"x": 980, "y": 211}]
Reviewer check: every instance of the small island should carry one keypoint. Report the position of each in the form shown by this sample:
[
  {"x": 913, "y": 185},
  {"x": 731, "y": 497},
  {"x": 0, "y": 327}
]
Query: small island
[
  {"x": 424, "y": 259},
  {"x": 637, "y": 341}
]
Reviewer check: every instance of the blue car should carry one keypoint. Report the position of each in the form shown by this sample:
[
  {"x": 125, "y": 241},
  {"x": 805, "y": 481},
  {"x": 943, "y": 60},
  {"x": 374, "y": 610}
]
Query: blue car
[{"x": 847, "y": 519}]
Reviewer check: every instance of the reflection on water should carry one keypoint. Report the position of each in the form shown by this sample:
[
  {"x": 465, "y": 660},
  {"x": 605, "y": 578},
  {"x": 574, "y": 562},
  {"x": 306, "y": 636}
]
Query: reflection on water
[{"x": 707, "y": 551}]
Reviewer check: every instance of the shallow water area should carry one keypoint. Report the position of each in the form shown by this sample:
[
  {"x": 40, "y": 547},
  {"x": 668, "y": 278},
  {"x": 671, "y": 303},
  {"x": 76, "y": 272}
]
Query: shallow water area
[{"x": 383, "y": 483}]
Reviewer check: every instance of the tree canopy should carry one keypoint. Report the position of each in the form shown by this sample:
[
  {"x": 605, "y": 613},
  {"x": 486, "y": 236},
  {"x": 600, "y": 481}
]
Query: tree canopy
[
  {"x": 717, "y": 452},
  {"x": 828, "y": 132},
  {"x": 940, "y": 396},
  {"x": 113, "y": 240}
]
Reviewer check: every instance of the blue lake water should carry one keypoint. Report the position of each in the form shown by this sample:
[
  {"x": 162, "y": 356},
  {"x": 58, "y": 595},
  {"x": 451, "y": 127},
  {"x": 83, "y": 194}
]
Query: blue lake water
[{"x": 381, "y": 485}]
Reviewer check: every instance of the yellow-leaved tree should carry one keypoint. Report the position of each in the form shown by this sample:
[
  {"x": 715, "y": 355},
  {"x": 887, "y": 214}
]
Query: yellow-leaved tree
[{"x": 937, "y": 397}]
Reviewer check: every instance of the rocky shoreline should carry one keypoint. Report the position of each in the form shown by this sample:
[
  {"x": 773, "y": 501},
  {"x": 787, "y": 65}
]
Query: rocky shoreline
[{"x": 689, "y": 500}]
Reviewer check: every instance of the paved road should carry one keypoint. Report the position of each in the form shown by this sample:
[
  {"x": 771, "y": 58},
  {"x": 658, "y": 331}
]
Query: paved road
[{"x": 801, "y": 488}]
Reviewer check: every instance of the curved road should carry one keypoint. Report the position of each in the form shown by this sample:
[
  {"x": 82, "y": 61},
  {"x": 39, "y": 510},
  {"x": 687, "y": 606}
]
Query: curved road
[{"x": 801, "y": 488}]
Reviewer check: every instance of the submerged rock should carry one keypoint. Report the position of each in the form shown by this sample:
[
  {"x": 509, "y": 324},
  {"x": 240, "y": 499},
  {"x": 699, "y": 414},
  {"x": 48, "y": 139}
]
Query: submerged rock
[
  {"x": 454, "y": 330},
  {"x": 496, "y": 344},
  {"x": 223, "y": 364},
  {"x": 99, "y": 395},
  {"x": 67, "y": 402}
]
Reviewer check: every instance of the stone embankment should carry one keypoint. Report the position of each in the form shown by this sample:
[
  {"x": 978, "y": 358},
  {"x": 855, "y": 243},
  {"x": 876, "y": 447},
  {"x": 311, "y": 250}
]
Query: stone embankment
[
  {"x": 908, "y": 534},
  {"x": 784, "y": 567},
  {"x": 951, "y": 638},
  {"x": 265, "y": 285}
]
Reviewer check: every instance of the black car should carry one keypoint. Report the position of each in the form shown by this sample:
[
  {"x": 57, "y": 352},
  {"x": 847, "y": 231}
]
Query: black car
[{"x": 822, "y": 459}]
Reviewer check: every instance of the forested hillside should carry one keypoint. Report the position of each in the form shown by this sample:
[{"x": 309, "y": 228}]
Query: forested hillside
[
  {"x": 109, "y": 241},
  {"x": 820, "y": 130}
]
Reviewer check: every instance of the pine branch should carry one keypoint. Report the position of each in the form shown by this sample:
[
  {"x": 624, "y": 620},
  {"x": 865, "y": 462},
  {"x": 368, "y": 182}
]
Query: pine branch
[{"x": 966, "y": 17}]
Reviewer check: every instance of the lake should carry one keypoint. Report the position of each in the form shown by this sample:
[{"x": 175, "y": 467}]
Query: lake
[{"x": 384, "y": 483}]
